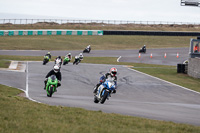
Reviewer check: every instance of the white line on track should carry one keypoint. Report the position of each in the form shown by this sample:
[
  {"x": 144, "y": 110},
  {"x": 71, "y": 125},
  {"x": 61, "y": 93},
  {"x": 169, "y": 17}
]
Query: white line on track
[
  {"x": 118, "y": 59},
  {"x": 27, "y": 95},
  {"x": 164, "y": 81}
]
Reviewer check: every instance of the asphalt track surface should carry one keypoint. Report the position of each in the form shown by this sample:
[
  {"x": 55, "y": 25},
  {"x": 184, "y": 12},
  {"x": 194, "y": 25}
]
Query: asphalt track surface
[
  {"x": 137, "y": 94},
  {"x": 126, "y": 55}
]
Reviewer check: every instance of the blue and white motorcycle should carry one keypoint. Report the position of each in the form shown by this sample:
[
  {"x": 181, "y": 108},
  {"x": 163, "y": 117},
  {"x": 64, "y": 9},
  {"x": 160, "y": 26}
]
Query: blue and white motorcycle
[{"x": 104, "y": 90}]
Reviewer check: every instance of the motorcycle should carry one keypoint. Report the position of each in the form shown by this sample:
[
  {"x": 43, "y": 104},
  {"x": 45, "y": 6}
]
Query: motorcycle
[
  {"x": 66, "y": 60},
  {"x": 87, "y": 50},
  {"x": 77, "y": 61},
  {"x": 51, "y": 85},
  {"x": 104, "y": 91},
  {"x": 142, "y": 50},
  {"x": 46, "y": 60}
]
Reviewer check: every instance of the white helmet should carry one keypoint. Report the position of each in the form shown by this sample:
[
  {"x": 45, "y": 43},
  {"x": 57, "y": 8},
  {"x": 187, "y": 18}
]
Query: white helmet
[
  {"x": 69, "y": 54},
  {"x": 81, "y": 55},
  {"x": 56, "y": 68}
]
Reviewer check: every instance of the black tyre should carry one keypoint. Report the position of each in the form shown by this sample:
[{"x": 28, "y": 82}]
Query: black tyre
[
  {"x": 104, "y": 97},
  {"x": 64, "y": 63},
  {"x": 96, "y": 100},
  {"x": 45, "y": 62},
  {"x": 51, "y": 92}
]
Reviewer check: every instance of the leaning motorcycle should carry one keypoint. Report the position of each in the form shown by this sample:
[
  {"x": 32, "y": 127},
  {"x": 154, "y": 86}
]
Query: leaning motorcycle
[
  {"x": 66, "y": 60},
  {"x": 76, "y": 61},
  {"x": 46, "y": 60},
  {"x": 86, "y": 50},
  {"x": 104, "y": 90},
  {"x": 51, "y": 85},
  {"x": 142, "y": 50}
]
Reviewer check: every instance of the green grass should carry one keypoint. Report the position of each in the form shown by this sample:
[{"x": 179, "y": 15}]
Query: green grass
[
  {"x": 96, "y": 42},
  {"x": 4, "y": 63},
  {"x": 22, "y": 58},
  {"x": 101, "y": 26},
  {"x": 18, "y": 114}
]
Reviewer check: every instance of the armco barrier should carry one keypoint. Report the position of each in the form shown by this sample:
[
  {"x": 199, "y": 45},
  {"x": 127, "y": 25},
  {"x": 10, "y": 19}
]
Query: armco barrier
[
  {"x": 49, "y": 32},
  {"x": 151, "y": 33}
]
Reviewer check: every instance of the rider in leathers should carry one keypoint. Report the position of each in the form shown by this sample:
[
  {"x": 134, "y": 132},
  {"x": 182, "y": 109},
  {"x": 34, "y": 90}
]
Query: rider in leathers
[
  {"x": 55, "y": 71},
  {"x": 112, "y": 74}
]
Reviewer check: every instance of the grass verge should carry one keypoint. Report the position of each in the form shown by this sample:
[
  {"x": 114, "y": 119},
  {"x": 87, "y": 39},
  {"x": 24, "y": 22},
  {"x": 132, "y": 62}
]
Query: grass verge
[
  {"x": 101, "y": 26},
  {"x": 4, "y": 63},
  {"x": 96, "y": 42},
  {"x": 18, "y": 114}
]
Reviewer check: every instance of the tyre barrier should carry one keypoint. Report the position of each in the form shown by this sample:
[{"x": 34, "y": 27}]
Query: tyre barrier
[
  {"x": 94, "y": 32},
  {"x": 181, "y": 68},
  {"x": 49, "y": 32},
  {"x": 152, "y": 33}
]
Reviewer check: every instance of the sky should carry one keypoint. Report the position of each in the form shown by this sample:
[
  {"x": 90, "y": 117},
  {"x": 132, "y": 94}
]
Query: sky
[{"x": 130, "y": 10}]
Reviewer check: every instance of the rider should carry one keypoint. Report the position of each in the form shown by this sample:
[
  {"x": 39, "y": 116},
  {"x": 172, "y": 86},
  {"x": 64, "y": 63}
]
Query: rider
[
  {"x": 55, "y": 71},
  {"x": 88, "y": 48},
  {"x": 112, "y": 74},
  {"x": 58, "y": 58},
  {"x": 49, "y": 55},
  {"x": 69, "y": 55},
  {"x": 144, "y": 48},
  {"x": 78, "y": 58}
]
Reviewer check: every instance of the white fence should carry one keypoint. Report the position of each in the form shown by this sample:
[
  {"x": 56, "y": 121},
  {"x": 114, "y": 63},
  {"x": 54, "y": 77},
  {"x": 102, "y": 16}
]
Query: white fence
[{"x": 115, "y": 22}]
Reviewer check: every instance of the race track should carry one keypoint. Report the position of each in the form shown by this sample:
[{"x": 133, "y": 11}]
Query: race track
[
  {"x": 137, "y": 94},
  {"x": 126, "y": 55}
]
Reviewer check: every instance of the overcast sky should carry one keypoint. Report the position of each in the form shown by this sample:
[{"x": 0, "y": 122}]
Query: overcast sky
[{"x": 134, "y": 10}]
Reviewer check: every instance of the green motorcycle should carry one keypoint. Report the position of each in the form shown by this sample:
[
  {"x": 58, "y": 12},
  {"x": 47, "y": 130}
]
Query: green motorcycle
[
  {"x": 66, "y": 60},
  {"x": 51, "y": 85},
  {"x": 46, "y": 60}
]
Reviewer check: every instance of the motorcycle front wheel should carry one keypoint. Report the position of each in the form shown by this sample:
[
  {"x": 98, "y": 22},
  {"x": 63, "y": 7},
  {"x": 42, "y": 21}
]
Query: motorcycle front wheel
[
  {"x": 104, "y": 97},
  {"x": 50, "y": 92},
  {"x": 95, "y": 99}
]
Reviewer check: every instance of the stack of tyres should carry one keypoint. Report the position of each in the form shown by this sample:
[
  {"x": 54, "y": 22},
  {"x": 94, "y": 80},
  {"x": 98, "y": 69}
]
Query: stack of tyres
[{"x": 181, "y": 68}]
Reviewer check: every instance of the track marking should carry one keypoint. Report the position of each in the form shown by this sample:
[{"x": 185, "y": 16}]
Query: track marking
[
  {"x": 27, "y": 95},
  {"x": 27, "y": 80},
  {"x": 163, "y": 80},
  {"x": 118, "y": 59}
]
